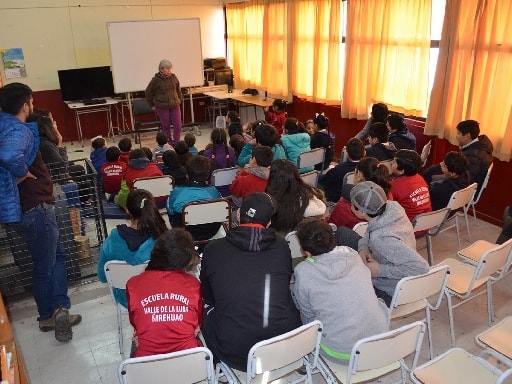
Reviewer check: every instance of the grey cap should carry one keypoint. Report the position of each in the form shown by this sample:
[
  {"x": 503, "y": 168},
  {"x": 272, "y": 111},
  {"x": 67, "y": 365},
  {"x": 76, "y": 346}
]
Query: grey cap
[{"x": 368, "y": 197}]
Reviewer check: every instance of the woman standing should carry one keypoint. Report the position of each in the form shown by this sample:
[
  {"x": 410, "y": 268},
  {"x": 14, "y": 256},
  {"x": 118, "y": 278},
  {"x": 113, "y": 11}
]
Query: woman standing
[{"x": 163, "y": 94}]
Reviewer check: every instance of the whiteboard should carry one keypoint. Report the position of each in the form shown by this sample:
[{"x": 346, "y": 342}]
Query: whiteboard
[{"x": 136, "y": 48}]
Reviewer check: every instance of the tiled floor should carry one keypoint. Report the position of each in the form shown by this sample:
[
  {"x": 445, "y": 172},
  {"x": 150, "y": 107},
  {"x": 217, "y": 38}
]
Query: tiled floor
[{"x": 93, "y": 355}]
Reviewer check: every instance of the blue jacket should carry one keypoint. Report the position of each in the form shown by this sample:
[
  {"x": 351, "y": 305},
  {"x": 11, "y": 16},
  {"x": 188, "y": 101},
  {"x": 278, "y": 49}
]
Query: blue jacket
[
  {"x": 19, "y": 143},
  {"x": 184, "y": 194},
  {"x": 116, "y": 247},
  {"x": 294, "y": 145},
  {"x": 98, "y": 157},
  {"x": 246, "y": 154}
]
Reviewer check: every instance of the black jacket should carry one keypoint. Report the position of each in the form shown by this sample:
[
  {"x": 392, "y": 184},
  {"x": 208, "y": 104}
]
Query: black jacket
[
  {"x": 479, "y": 155},
  {"x": 332, "y": 181},
  {"x": 238, "y": 273},
  {"x": 381, "y": 152},
  {"x": 442, "y": 190}
]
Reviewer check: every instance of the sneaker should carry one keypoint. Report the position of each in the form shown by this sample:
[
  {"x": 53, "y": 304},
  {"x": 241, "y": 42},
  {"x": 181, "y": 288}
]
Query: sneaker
[
  {"x": 49, "y": 324},
  {"x": 63, "y": 332}
]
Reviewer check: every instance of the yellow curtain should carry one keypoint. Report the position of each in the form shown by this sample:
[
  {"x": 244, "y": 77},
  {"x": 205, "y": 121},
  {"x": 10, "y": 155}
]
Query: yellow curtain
[
  {"x": 474, "y": 71},
  {"x": 387, "y": 56},
  {"x": 317, "y": 64}
]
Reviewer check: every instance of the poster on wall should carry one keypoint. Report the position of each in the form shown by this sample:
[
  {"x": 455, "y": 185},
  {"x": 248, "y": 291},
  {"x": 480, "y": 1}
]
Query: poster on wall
[{"x": 13, "y": 63}]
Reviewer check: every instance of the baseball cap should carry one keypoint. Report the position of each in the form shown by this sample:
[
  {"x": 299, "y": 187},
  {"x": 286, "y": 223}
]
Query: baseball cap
[
  {"x": 368, "y": 197},
  {"x": 257, "y": 208}
]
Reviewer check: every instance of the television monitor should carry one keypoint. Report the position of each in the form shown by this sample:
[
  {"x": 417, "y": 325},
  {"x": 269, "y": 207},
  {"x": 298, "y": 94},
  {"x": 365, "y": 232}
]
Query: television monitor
[
  {"x": 224, "y": 76},
  {"x": 86, "y": 83}
]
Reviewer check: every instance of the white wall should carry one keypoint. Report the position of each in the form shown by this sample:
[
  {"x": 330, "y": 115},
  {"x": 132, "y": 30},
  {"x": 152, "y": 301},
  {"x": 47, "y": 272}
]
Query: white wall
[{"x": 65, "y": 34}]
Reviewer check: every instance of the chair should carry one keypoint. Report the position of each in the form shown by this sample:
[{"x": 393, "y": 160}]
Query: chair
[
  {"x": 208, "y": 212},
  {"x": 360, "y": 228},
  {"x": 310, "y": 178},
  {"x": 271, "y": 359},
  {"x": 425, "y": 152},
  {"x": 474, "y": 252},
  {"x": 159, "y": 186},
  {"x": 311, "y": 158},
  {"x": 415, "y": 293},
  {"x": 478, "y": 194},
  {"x": 377, "y": 355},
  {"x": 458, "y": 366},
  {"x": 187, "y": 366},
  {"x": 293, "y": 243},
  {"x": 142, "y": 123},
  {"x": 465, "y": 277},
  {"x": 460, "y": 200},
  {"x": 223, "y": 176},
  {"x": 497, "y": 341},
  {"x": 349, "y": 178},
  {"x": 118, "y": 273},
  {"x": 431, "y": 223}
]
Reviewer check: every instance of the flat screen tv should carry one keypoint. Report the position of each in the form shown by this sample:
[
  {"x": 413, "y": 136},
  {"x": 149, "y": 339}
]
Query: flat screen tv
[{"x": 86, "y": 83}]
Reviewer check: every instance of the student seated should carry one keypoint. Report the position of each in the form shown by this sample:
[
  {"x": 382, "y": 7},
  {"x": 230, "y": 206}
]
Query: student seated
[
  {"x": 323, "y": 138},
  {"x": 399, "y": 134},
  {"x": 276, "y": 115},
  {"x": 378, "y": 114},
  {"x": 388, "y": 247},
  {"x": 172, "y": 167},
  {"x": 125, "y": 146},
  {"x": 182, "y": 151},
  {"x": 98, "y": 154},
  {"x": 332, "y": 181},
  {"x": 161, "y": 146},
  {"x": 254, "y": 176},
  {"x": 195, "y": 189},
  {"x": 173, "y": 323},
  {"x": 334, "y": 285},
  {"x": 380, "y": 147},
  {"x": 233, "y": 123},
  {"x": 132, "y": 243},
  {"x": 408, "y": 188},
  {"x": 220, "y": 154},
  {"x": 190, "y": 140},
  {"x": 456, "y": 169},
  {"x": 245, "y": 282},
  {"x": 506, "y": 231},
  {"x": 264, "y": 134},
  {"x": 237, "y": 142},
  {"x": 112, "y": 172},
  {"x": 295, "y": 141}
]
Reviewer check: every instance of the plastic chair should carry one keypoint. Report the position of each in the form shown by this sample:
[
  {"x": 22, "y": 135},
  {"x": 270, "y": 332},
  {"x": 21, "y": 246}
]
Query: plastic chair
[
  {"x": 377, "y": 355},
  {"x": 118, "y": 273},
  {"x": 349, "y": 178},
  {"x": 142, "y": 123},
  {"x": 460, "y": 200},
  {"x": 423, "y": 292},
  {"x": 466, "y": 277},
  {"x": 458, "y": 366},
  {"x": 271, "y": 359},
  {"x": 431, "y": 223},
  {"x": 497, "y": 341},
  {"x": 311, "y": 158},
  {"x": 474, "y": 252},
  {"x": 159, "y": 186},
  {"x": 223, "y": 176},
  {"x": 425, "y": 152},
  {"x": 207, "y": 212},
  {"x": 293, "y": 243},
  {"x": 478, "y": 194},
  {"x": 187, "y": 366},
  {"x": 310, "y": 178}
]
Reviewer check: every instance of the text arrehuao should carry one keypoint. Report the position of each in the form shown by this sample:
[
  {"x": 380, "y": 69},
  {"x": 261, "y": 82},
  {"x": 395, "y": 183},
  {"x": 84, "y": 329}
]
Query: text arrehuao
[
  {"x": 420, "y": 196},
  {"x": 164, "y": 313}
]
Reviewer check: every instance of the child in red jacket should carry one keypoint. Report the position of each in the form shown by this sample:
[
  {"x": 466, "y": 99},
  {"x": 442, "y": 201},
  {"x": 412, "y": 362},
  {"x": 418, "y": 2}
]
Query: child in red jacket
[{"x": 277, "y": 115}]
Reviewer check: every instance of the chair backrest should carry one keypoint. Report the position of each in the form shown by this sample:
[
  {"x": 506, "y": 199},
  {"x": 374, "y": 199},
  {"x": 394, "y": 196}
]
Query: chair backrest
[
  {"x": 311, "y": 158},
  {"x": 187, "y": 366},
  {"x": 220, "y": 122},
  {"x": 461, "y": 197},
  {"x": 497, "y": 259},
  {"x": 310, "y": 178},
  {"x": 141, "y": 107},
  {"x": 349, "y": 178},
  {"x": 209, "y": 211},
  {"x": 430, "y": 220},
  {"x": 223, "y": 176},
  {"x": 412, "y": 292},
  {"x": 387, "y": 348},
  {"x": 159, "y": 186},
  {"x": 476, "y": 196},
  {"x": 284, "y": 350},
  {"x": 293, "y": 243},
  {"x": 360, "y": 228},
  {"x": 425, "y": 152},
  {"x": 119, "y": 272}
]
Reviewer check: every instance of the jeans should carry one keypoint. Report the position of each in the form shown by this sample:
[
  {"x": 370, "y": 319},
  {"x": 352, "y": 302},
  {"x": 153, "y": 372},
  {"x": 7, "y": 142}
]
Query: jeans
[
  {"x": 168, "y": 117},
  {"x": 39, "y": 228}
]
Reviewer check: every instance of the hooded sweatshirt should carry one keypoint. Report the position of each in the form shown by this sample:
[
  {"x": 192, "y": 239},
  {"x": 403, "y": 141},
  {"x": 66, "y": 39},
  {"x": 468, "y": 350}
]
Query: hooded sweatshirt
[
  {"x": 390, "y": 239},
  {"x": 164, "y": 92},
  {"x": 336, "y": 288},
  {"x": 126, "y": 244},
  {"x": 249, "y": 180},
  {"x": 294, "y": 145},
  {"x": 245, "y": 276}
]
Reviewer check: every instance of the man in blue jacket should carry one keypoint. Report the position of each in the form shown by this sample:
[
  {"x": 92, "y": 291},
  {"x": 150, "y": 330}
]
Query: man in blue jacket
[{"x": 27, "y": 205}]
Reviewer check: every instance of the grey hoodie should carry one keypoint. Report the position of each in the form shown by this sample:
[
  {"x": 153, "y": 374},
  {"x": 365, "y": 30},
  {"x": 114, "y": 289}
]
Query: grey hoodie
[
  {"x": 336, "y": 289},
  {"x": 390, "y": 239}
]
